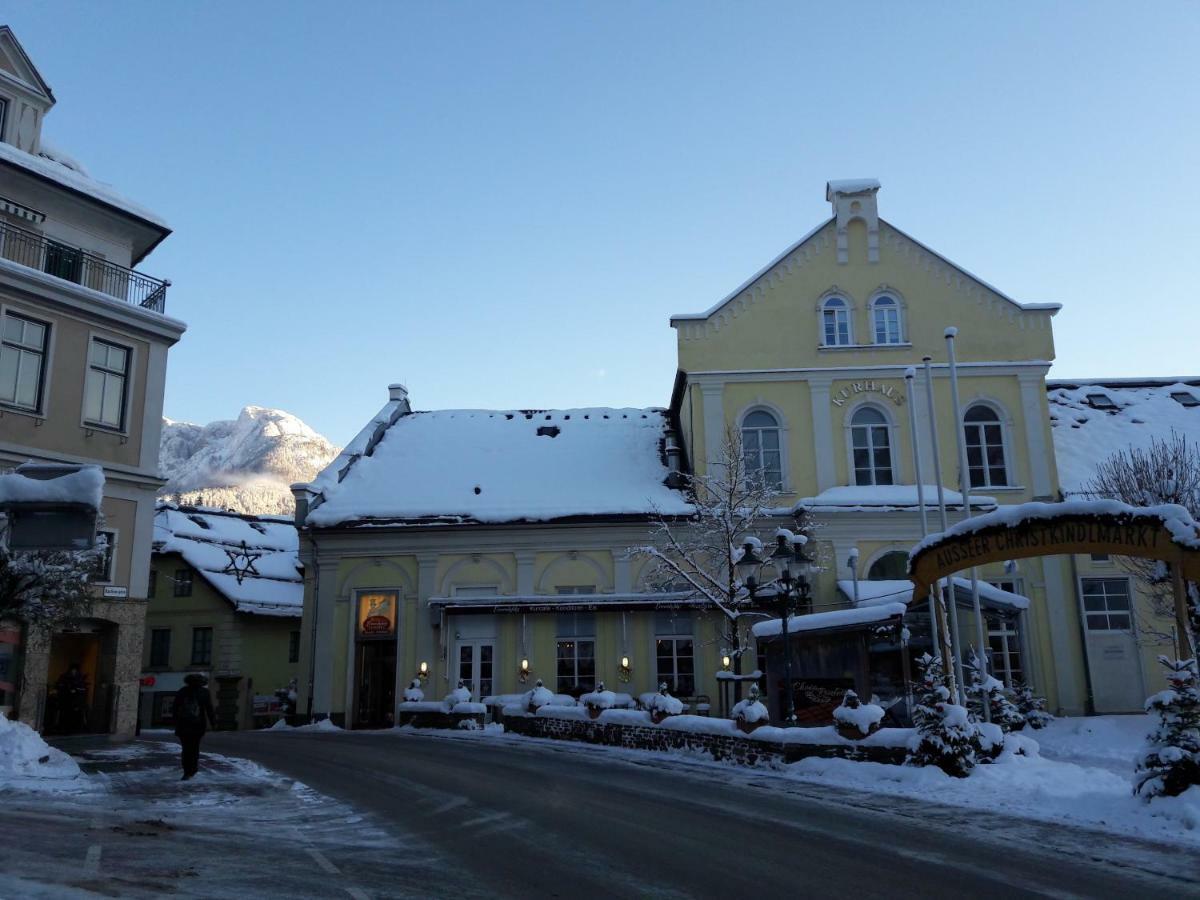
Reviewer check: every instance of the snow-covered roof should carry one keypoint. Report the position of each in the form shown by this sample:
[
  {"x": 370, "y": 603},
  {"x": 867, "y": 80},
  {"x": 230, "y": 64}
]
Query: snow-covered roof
[
  {"x": 53, "y": 167},
  {"x": 838, "y": 618},
  {"x": 873, "y": 593},
  {"x": 205, "y": 538},
  {"x": 493, "y": 466},
  {"x": 886, "y": 496},
  {"x": 851, "y": 186},
  {"x": 34, "y": 483},
  {"x": 1143, "y": 409}
]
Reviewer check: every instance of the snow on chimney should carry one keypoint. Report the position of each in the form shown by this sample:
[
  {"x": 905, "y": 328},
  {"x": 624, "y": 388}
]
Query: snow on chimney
[
  {"x": 852, "y": 199},
  {"x": 397, "y": 392}
]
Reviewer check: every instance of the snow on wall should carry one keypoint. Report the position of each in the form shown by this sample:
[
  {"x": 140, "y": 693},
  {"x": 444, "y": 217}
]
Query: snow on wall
[
  {"x": 502, "y": 466},
  {"x": 202, "y": 538},
  {"x": 1084, "y": 436}
]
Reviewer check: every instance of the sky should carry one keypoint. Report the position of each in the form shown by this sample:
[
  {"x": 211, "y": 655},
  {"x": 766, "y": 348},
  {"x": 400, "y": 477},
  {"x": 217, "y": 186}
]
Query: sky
[{"x": 501, "y": 204}]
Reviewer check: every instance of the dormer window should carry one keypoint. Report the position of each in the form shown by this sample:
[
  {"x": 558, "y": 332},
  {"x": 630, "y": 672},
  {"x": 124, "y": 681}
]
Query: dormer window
[
  {"x": 835, "y": 322},
  {"x": 1185, "y": 398},
  {"x": 1101, "y": 401},
  {"x": 885, "y": 317}
]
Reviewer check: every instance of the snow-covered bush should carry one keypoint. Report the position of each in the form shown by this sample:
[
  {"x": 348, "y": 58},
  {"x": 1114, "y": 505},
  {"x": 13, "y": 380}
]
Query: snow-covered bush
[
  {"x": 946, "y": 737},
  {"x": 663, "y": 704},
  {"x": 1031, "y": 706},
  {"x": 413, "y": 693},
  {"x": 984, "y": 689},
  {"x": 1170, "y": 762},
  {"x": 461, "y": 694},
  {"x": 539, "y": 696},
  {"x": 856, "y": 719},
  {"x": 598, "y": 700},
  {"x": 750, "y": 713}
]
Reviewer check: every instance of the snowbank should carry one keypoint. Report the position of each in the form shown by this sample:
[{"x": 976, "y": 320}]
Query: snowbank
[{"x": 28, "y": 762}]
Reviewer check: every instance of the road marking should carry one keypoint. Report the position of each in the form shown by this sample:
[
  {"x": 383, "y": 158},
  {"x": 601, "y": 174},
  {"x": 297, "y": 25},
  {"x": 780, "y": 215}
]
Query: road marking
[
  {"x": 321, "y": 861},
  {"x": 91, "y": 863}
]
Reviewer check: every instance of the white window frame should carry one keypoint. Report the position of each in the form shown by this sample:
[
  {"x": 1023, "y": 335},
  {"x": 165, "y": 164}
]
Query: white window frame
[
  {"x": 1002, "y": 421},
  {"x": 674, "y": 635},
  {"x": 43, "y": 391},
  {"x": 896, "y": 307},
  {"x": 780, "y": 431},
  {"x": 847, "y": 309},
  {"x": 1107, "y": 612},
  {"x": 1009, "y": 632},
  {"x": 127, "y": 393},
  {"x": 114, "y": 541},
  {"x": 893, "y": 449},
  {"x": 560, "y": 639}
]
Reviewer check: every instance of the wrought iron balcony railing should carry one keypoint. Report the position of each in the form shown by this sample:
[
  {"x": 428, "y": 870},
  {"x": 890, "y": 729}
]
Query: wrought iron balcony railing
[{"x": 72, "y": 264}]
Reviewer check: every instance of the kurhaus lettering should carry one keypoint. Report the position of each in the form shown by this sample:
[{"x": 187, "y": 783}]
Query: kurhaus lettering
[{"x": 890, "y": 391}]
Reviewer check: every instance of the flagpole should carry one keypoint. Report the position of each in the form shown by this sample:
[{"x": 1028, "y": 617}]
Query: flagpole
[
  {"x": 909, "y": 375},
  {"x": 965, "y": 484},
  {"x": 953, "y": 639}
]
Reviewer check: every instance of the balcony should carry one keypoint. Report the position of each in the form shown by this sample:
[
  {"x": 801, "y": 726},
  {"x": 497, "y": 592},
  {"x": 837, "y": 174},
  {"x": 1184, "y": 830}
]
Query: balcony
[{"x": 29, "y": 248}]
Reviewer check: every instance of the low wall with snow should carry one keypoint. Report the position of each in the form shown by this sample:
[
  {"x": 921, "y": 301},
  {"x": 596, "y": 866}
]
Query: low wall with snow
[
  {"x": 719, "y": 738},
  {"x": 426, "y": 714}
]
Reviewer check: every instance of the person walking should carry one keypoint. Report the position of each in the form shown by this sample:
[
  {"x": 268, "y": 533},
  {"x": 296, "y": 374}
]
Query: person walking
[{"x": 193, "y": 713}]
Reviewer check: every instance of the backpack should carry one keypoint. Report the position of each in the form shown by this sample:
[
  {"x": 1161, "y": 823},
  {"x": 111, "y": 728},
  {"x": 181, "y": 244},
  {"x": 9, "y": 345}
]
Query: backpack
[{"x": 189, "y": 709}]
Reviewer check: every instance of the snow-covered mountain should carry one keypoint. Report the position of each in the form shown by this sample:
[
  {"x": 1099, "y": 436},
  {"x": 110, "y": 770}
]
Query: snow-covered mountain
[{"x": 244, "y": 464}]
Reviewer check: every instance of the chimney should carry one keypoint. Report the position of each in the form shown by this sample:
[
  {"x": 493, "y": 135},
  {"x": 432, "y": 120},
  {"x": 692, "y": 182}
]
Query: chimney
[
  {"x": 303, "y": 494},
  {"x": 399, "y": 392},
  {"x": 855, "y": 199}
]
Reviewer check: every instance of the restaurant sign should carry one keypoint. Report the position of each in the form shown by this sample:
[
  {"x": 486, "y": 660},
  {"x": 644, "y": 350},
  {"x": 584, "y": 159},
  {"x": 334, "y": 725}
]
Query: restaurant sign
[{"x": 377, "y": 614}]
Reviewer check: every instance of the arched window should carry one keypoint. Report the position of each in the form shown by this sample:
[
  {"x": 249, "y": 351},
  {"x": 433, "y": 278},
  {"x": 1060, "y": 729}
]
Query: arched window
[
  {"x": 885, "y": 316},
  {"x": 985, "y": 447},
  {"x": 835, "y": 322},
  {"x": 761, "y": 449},
  {"x": 872, "y": 446},
  {"x": 892, "y": 566}
]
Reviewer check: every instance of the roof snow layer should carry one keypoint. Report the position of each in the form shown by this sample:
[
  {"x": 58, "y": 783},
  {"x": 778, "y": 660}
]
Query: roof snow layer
[{"x": 492, "y": 466}]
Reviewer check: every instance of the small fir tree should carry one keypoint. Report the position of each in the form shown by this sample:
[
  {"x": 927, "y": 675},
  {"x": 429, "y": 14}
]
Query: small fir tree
[
  {"x": 985, "y": 690},
  {"x": 1170, "y": 763},
  {"x": 1031, "y": 706},
  {"x": 946, "y": 737}
]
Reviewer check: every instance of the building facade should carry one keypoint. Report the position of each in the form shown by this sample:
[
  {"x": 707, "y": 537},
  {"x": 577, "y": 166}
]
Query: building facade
[
  {"x": 83, "y": 357},
  {"x": 808, "y": 363},
  {"x": 225, "y": 594}
]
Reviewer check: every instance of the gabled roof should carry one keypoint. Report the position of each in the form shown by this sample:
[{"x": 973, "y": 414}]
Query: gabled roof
[
  {"x": 27, "y": 72},
  {"x": 205, "y": 538},
  {"x": 778, "y": 260},
  {"x": 480, "y": 466},
  {"x": 1143, "y": 409}
]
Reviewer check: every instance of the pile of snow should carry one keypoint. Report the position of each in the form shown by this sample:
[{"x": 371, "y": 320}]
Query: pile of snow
[
  {"x": 246, "y": 464},
  {"x": 413, "y": 693},
  {"x": 84, "y": 486},
  {"x": 662, "y": 703},
  {"x": 27, "y": 761},
  {"x": 538, "y": 697},
  {"x": 1085, "y": 436},
  {"x": 320, "y": 725},
  {"x": 461, "y": 694},
  {"x": 501, "y": 466}
]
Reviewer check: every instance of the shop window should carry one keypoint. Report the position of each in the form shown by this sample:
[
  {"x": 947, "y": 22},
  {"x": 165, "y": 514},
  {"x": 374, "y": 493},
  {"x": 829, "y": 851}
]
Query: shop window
[
  {"x": 1106, "y": 604},
  {"x": 674, "y": 650},
  {"x": 202, "y": 644},
  {"x": 575, "y": 653}
]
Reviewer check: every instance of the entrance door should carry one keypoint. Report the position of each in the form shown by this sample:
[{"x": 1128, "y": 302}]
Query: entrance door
[
  {"x": 1112, "y": 650},
  {"x": 476, "y": 664},
  {"x": 79, "y": 680},
  {"x": 376, "y": 684}
]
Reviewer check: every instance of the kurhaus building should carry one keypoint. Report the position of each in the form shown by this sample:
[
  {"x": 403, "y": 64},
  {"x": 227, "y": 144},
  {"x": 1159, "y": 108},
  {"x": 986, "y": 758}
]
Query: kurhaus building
[{"x": 494, "y": 546}]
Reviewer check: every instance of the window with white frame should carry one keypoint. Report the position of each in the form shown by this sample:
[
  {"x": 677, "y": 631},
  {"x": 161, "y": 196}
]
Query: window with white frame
[
  {"x": 674, "y": 652},
  {"x": 1004, "y": 650},
  {"x": 107, "y": 379},
  {"x": 835, "y": 323},
  {"x": 575, "y": 652},
  {"x": 762, "y": 452},
  {"x": 106, "y": 545},
  {"x": 1106, "y": 604},
  {"x": 885, "y": 317},
  {"x": 23, "y": 344},
  {"x": 985, "y": 447},
  {"x": 871, "y": 446}
]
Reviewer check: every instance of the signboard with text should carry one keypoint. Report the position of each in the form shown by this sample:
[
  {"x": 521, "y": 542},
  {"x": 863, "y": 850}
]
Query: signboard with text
[{"x": 377, "y": 614}]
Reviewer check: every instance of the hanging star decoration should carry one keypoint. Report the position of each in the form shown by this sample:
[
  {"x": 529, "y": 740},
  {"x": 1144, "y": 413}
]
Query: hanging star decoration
[{"x": 241, "y": 563}]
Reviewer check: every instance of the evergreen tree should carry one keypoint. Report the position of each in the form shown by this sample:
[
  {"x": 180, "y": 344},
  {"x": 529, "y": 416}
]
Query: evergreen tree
[
  {"x": 982, "y": 689},
  {"x": 1170, "y": 763},
  {"x": 946, "y": 737},
  {"x": 1031, "y": 706}
]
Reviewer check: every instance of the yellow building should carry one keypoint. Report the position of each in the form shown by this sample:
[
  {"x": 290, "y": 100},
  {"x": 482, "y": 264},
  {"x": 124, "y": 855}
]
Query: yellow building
[
  {"x": 473, "y": 541},
  {"x": 225, "y": 598}
]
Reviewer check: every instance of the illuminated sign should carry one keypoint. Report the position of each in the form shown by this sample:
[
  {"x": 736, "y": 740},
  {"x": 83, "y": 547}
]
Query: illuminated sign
[{"x": 377, "y": 614}]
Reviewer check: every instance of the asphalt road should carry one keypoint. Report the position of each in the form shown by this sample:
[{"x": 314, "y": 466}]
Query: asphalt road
[{"x": 512, "y": 818}]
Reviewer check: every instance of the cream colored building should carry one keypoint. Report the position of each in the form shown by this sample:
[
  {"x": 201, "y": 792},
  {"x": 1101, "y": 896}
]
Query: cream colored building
[
  {"x": 83, "y": 358},
  {"x": 807, "y": 360}
]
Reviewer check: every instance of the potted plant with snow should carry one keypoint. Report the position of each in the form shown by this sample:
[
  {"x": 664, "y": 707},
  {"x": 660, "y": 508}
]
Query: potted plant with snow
[
  {"x": 461, "y": 694},
  {"x": 598, "y": 701},
  {"x": 663, "y": 706},
  {"x": 750, "y": 713},
  {"x": 854, "y": 719},
  {"x": 413, "y": 693},
  {"x": 538, "y": 697}
]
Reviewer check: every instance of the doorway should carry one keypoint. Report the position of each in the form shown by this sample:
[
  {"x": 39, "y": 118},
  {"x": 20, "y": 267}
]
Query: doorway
[
  {"x": 79, "y": 684},
  {"x": 476, "y": 667},
  {"x": 376, "y": 684}
]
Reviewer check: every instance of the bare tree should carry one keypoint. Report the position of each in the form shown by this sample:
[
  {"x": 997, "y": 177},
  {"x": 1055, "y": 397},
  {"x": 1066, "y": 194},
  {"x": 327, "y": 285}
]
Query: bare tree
[
  {"x": 1168, "y": 471},
  {"x": 46, "y": 588},
  {"x": 732, "y": 502}
]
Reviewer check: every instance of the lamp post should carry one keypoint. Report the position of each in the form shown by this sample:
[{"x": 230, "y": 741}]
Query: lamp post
[{"x": 792, "y": 591}]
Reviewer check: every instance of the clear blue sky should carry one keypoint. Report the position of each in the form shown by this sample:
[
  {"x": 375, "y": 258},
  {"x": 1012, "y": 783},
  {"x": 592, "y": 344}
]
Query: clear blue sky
[{"x": 502, "y": 203}]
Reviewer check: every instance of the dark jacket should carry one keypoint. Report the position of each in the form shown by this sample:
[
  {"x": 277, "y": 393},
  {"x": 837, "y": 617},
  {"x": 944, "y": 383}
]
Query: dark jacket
[{"x": 193, "y": 710}]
